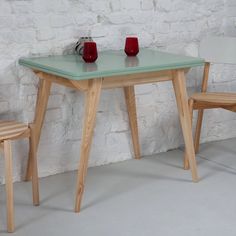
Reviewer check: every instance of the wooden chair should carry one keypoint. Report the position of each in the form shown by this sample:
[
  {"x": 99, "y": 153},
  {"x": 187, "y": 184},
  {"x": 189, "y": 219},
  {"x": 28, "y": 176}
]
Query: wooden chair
[
  {"x": 11, "y": 130},
  {"x": 216, "y": 50}
]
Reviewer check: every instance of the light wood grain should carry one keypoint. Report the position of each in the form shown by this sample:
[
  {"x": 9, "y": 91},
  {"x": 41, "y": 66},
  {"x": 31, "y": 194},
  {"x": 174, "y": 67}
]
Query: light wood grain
[
  {"x": 186, "y": 161},
  {"x": 179, "y": 84},
  {"x": 204, "y": 105},
  {"x": 230, "y": 108},
  {"x": 11, "y": 129},
  {"x": 209, "y": 100},
  {"x": 81, "y": 85},
  {"x": 41, "y": 105},
  {"x": 135, "y": 79},
  {"x": 200, "y": 111},
  {"x": 93, "y": 87},
  {"x": 205, "y": 77},
  {"x": 216, "y": 98},
  {"x": 33, "y": 158},
  {"x": 9, "y": 185},
  {"x": 131, "y": 108},
  {"x": 91, "y": 104},
  {"x": 110, "y": 82}
]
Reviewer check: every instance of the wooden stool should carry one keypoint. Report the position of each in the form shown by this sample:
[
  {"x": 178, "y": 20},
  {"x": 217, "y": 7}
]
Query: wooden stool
[
  {"x": 11, "y": 130},
  {"x": 215, "y": 50}
]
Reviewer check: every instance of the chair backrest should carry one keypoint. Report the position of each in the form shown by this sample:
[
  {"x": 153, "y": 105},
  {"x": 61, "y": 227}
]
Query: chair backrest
[{"x": 216, "y": 49}]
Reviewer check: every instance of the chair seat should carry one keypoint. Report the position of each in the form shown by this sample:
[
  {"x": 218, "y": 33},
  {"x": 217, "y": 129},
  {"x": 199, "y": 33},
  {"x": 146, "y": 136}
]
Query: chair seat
[
  {"x": 11, "y": 129},
  {"x": 215, "y": 98}
]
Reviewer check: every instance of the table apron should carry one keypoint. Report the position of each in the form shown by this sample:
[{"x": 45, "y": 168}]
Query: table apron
[
  {"x": 111, "y": 81},
  {"x": 135, "y": 79}
]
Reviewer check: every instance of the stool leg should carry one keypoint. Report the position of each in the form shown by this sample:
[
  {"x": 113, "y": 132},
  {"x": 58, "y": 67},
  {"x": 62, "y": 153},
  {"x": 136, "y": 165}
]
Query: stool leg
[
  {"x": 9, "y": 185},
  {"x": 198, "y": 130},
  {"x": 33, "y": 160}
]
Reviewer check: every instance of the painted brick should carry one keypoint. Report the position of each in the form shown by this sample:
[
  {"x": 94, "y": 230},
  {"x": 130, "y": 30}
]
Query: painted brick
[
  {"x": 60, "y": 21},
  {"x": 130, "y": 5},
  {"x": 4, "y": 106},
  {"x": 85, "y": 19},
  {"x": 119, "y": 18},
  {"x": 115, "y": 5},
  {"x": 45, "y": 34},
  {"x": 6, "y": 21},
  {"x": 5, "y": 8},
  {"x": 147, "y": 5},
  {"x": 53, "y": 115}
]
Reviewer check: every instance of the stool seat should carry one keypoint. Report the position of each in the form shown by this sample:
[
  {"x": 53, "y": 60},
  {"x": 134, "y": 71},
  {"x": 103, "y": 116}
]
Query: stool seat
[{"x": 11, "y": 129}]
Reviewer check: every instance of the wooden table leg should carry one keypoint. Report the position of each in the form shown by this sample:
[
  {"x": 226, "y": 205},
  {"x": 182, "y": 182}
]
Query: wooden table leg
[
  {"x": 179, "y": 84},
  {"x": 131, "y": 108},
  {"x": 91, "y": 104},
  {"x": 41, "y": 105}
]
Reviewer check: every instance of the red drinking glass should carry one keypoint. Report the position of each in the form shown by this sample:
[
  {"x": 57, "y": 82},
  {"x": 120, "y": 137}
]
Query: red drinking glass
[
  {"x": 90, "y": 53},
  {"x": 131, "y": 46}
]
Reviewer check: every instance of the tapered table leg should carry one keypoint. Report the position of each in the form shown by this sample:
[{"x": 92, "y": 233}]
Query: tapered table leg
[
  {"x": 179, "y": 84},
  {"x": 91, "y": 104},
  {"x": 131, "y": 108},
  {"x": 41, "y": 106}
]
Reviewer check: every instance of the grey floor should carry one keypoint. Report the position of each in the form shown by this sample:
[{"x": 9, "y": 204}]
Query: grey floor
[{"x": 153, "y": 196}]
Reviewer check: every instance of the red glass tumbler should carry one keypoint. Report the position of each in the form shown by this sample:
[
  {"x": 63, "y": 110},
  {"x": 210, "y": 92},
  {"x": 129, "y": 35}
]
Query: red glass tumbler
[
  {"x": 131, "y": 46},
  {"x": 90, "y": 53}
]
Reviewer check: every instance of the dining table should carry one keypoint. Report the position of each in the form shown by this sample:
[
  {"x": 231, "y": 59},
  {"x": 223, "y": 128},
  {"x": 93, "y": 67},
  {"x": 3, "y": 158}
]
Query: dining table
[{"x": 113, "y": 69}]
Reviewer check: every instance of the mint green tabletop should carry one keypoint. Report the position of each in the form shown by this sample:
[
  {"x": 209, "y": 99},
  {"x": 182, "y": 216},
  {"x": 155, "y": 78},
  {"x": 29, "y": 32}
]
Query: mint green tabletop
[{"x": 110, "y": 63}]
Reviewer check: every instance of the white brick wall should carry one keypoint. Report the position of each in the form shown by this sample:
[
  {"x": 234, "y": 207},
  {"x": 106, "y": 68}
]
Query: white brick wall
[
  {"x": 230, "y": 20},
  {"x": 33, "y": 27}
]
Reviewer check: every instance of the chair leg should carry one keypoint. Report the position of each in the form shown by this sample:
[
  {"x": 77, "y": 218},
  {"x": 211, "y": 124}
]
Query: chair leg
[
  {"x": 198, "y": 130},
  {"x": 33, "y": 160},
  {"x": 9, "y": 185},
  {"x": 186, "y": 161}
]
